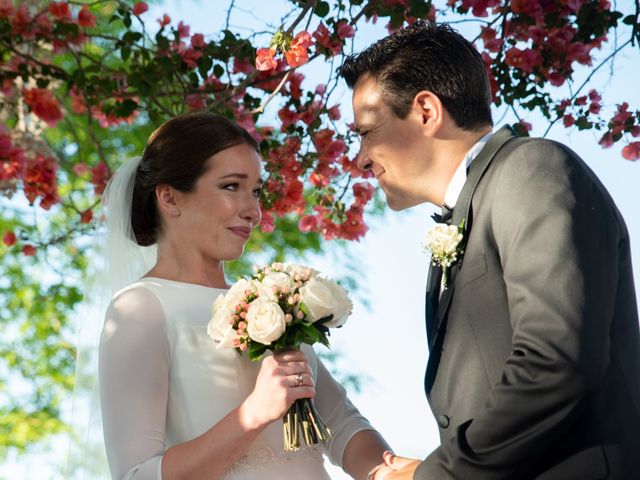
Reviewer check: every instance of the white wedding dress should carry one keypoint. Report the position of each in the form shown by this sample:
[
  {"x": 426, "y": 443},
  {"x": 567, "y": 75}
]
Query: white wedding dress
[{"x": 163, "y": 382}]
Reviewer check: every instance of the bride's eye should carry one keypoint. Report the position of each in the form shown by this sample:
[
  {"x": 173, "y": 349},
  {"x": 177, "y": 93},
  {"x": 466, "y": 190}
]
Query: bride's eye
[
  {"x": 232, "y": 187},
  {"x": 257, "y": 192}
]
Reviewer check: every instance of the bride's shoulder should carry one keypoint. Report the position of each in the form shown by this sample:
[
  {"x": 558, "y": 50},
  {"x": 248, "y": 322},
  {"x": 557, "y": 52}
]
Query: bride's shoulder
[
  {"x": 136, "y": 299},
  {"x": 136, "y": 316}
]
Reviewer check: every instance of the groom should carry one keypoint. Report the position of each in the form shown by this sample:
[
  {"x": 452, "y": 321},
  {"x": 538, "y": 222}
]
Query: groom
[{"x": 534, "y": 365}]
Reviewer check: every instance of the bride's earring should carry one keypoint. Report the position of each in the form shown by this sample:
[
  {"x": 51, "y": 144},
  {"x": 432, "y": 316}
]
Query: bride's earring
[{"x": 175, "y": 211}]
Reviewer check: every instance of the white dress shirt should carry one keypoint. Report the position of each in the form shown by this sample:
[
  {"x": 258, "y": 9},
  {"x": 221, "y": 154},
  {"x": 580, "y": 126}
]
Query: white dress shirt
[{"x": 460, "y": 176}]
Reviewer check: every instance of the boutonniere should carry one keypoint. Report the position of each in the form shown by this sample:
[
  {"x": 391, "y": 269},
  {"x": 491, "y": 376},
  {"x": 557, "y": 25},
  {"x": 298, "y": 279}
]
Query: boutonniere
[{"x": 444, "y": 242}]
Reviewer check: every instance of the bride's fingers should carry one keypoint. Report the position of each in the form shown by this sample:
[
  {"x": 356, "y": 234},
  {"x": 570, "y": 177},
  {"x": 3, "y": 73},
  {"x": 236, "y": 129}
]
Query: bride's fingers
[
  {"x": 301, "y": 380},
  {"x": 396, "y": 462},
  {"x": 296, "y": 393},
  {"x": 290, "y": 356},
  {"x": 293, "y": 368}
]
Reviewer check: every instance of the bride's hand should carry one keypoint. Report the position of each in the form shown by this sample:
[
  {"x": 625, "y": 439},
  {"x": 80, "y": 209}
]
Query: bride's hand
[{"x": 283, "y": 378}]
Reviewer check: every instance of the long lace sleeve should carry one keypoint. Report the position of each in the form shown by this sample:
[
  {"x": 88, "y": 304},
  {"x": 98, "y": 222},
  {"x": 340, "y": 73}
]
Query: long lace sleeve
[
  {"x": 134, "y": 384},
  {"x": 341, "y": 416}
]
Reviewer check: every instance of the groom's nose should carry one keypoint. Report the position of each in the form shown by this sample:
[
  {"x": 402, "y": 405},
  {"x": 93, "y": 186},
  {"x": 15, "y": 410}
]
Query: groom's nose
[{"x": 363, "y": 161}]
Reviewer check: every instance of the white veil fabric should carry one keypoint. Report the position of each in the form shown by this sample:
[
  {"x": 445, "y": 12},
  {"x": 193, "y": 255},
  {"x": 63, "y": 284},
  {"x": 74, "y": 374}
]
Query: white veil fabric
[{"x": 116, "y": 261}]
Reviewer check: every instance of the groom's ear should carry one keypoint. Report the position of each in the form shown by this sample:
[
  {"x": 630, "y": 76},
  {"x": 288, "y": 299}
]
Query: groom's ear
[{"x": 430, "y": 112}]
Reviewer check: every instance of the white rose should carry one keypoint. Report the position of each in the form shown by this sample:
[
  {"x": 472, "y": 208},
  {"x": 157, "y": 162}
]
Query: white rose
[
  {"x": 443, "y": 239},
  {"x": 221, "y": 314},
  {"x": 265, "y": 321},
  {"x": 277, "y": 279},
  {"x": 324, "y": 297},
  {"x": 219, "y": 327},
  {"x": 293, "y": 269},
  {"x": 236, "y": 293}
]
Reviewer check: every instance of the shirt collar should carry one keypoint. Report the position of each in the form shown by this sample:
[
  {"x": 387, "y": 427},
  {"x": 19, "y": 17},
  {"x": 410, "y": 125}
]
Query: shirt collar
[{"x": 460, "y": 176}]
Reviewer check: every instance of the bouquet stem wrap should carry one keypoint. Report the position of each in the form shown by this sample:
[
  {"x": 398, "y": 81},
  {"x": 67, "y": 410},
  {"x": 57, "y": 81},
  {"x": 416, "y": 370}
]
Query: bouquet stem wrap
[{"x": 303, "y": 421}]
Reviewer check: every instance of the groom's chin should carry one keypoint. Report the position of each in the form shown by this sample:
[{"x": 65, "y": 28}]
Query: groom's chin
[{"x": 399, "y": 204}]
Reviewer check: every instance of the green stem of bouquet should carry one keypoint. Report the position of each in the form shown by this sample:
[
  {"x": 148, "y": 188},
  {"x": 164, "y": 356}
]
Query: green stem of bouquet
[{"x": 302, "y": 417}]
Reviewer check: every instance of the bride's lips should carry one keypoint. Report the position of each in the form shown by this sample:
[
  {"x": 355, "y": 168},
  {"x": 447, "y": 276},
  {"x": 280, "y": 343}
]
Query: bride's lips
[{"x": 243, "y": 232}]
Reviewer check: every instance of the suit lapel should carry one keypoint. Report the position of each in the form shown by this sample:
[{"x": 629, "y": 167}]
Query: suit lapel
[
  {"x": 436, "y": 325},
  {"x": 431, "y": 302}
]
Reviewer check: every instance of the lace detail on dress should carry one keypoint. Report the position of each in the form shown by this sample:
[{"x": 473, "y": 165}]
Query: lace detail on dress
[{"x": 256, "y": 463}]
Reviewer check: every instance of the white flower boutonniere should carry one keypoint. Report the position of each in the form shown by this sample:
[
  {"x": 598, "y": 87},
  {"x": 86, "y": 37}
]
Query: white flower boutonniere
[{"x": 444, "y": 243}]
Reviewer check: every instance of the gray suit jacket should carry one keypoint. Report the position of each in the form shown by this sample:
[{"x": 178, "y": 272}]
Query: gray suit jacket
[{"x": 534, "y": 365}]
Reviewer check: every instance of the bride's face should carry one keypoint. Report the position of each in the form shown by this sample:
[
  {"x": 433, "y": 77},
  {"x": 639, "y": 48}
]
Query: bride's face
[{"x": 217, "y": 217}]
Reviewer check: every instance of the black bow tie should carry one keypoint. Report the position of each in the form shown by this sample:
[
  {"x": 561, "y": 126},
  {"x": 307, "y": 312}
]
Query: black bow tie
[{"x": 445, "y": 216}]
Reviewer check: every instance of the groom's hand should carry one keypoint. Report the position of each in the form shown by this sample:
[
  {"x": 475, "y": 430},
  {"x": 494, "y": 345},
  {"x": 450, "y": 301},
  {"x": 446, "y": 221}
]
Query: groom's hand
[{"x": 397, "y": 468}]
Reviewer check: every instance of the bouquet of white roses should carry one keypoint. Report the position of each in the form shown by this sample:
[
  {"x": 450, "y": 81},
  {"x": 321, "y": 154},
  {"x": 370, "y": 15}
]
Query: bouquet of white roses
[{"x": 279, "y": 308}]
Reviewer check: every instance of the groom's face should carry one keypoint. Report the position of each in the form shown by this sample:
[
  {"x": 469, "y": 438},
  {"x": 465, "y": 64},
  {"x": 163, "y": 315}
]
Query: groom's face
[{"x": 392, "y": 148}]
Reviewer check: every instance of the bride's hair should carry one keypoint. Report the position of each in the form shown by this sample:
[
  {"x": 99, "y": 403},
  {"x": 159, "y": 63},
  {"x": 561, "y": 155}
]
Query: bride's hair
[{"x": 176, "y": 155}]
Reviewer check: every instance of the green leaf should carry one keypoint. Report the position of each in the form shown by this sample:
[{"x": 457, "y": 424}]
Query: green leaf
[
  {"x": 630, "y": 20},
  {"x": 321, "y": 9},
  {"x": 256, "y": 350},
  {"x": 218, "y": 70}
]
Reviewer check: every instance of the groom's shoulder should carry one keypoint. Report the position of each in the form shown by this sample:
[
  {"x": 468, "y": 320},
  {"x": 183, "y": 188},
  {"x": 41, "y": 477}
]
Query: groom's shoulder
[
  {"x": 535, "y": 152},
  {"x": 543, "y": 166},
  {"x": 540, "y": 159}
]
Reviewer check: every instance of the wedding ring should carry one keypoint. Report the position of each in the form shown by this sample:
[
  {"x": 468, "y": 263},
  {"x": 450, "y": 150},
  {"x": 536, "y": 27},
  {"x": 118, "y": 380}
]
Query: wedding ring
[{"x": 299, "y": 380}]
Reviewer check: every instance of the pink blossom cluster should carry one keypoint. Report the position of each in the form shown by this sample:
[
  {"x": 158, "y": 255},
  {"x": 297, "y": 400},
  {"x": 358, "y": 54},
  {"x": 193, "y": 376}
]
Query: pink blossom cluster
[
  {"x": 295, "y": 52},
  {"x": 540, "y": 39},
  {"x": 35, "y": 170},
  {"x": 584, "y": 112},
  {"x": 621, "y": 123}
]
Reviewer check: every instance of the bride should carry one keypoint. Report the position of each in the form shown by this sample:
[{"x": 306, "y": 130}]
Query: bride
[{"x": 173, "y": 405}]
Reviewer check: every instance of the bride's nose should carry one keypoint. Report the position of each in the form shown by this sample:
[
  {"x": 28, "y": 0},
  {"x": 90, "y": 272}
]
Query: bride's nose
[{"x": 251, "y": 211}]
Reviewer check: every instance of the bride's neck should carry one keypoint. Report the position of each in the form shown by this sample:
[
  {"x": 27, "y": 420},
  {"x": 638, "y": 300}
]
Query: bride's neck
[{"x": 188, "y": 266}]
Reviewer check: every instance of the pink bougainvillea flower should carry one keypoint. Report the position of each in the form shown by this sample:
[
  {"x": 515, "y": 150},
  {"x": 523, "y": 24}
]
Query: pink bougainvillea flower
[
  {"x": 139, "y": 8},
  {"x": 631, "y": 151},
  {"x": 526, "y": 126},
  {"x": 302, "y": 39},
  {"x": 42, "y": 102},
  {"x": 164, "y": 20},
  {"x": 6, "y": 8},
  {"x": 191, "y": 56},
  {"x": 183, "y": 30},
  {"x": 60, "y": 10},
  {"x": 287, "y": 117},
  {"x": 86, "y": 18},
  {"x": 267, "y": 224},
  {"x": 296, "y": 56},
  {"x": 568, "y": 120},
  {"x": 197, "y": 41},
  {"x": 100, "y": 177},
  {"x": 265, "y": 59},
  {"x": 9, "y": 239},
  {"x": 308, "y": 223},
  {"x": 345, "y": 30},
  {"x": 334, "y": 112},
  {"x": 86, "y": 216}
]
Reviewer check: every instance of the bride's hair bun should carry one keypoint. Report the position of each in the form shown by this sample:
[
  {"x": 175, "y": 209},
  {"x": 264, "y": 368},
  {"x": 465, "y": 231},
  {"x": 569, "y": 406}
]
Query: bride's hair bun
[{"x": 176, "y": 155}]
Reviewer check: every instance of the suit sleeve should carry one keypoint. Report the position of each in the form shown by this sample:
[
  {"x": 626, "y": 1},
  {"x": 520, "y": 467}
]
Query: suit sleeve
[{"x": 556, "y": 231}]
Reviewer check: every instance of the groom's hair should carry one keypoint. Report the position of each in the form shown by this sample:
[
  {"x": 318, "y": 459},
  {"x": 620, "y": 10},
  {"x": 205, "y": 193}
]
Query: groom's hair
[{"x": 427, "y": 56}]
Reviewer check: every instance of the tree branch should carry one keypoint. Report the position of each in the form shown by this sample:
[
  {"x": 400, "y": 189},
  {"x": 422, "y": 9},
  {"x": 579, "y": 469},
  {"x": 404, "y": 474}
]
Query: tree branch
[{"x": 261, "y": 108}]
